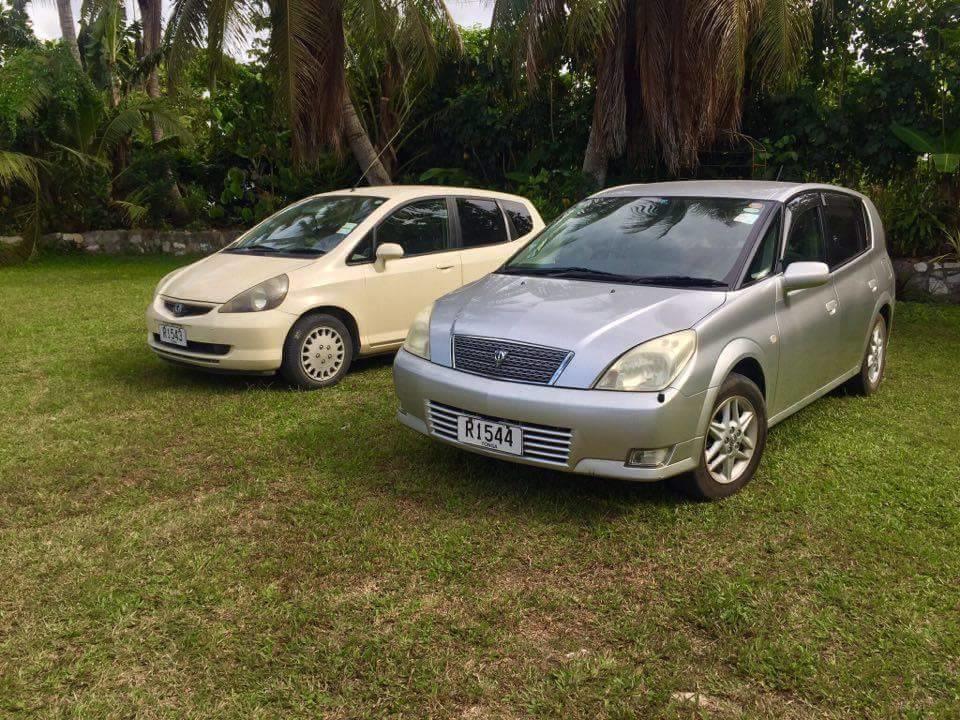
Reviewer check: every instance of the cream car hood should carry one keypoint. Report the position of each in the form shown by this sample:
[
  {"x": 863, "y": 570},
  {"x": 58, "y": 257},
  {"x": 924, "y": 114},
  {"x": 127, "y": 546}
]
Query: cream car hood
[{"x": 223, "y": 275}]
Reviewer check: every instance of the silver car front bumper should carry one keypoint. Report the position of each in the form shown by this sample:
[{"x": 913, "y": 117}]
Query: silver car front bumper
[{"x": 583, "y": 431}]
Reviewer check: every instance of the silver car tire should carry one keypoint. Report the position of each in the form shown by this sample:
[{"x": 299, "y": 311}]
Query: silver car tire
[
  {"x": 868, "y": 380},
  {"x": 317, "y": 353},
  {"x": 733, "y": 444}
]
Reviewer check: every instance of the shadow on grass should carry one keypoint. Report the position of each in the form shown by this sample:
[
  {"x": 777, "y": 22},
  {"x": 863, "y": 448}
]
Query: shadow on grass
[
  {"x": 464, "y": 484},
  {"x": 141, "y": 369}
]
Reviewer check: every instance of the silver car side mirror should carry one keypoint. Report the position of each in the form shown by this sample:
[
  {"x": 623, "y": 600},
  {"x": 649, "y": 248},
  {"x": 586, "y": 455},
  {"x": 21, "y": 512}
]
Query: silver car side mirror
[
  {"x": 803, "y": 275},
  {"x": 388, "y": 251}
]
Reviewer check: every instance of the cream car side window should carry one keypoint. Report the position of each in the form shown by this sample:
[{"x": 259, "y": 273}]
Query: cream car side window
[{"x": 420, "y": 227}]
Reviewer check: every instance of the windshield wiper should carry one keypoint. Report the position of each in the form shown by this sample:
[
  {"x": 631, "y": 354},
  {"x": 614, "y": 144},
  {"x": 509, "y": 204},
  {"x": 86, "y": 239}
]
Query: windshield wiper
[
  {"x": 678, "y": 281},
  {"x": 565, "y": 272},
  {"x": 255, "y": 248},
  {"x": 282, "y": 251}
]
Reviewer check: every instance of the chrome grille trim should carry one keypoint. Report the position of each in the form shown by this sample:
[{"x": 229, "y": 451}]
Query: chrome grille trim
[
  {"x": 534, "y": 364},
  {"x": 179, "y": 308},
  {"x": 540, "y": 442}
]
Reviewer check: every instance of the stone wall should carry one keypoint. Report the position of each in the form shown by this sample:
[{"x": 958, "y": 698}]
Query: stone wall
[
  {"x": 122, "y": 242},
  {"x": 929, "y": 281},
  {"x": 126, "y": 242}
]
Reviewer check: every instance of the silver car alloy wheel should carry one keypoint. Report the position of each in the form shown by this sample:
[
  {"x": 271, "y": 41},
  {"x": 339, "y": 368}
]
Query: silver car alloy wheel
[
  {"x": 322, "y": 353},
  {"x": 875, "y": 353},
  {"x": 731, "y": 439}
]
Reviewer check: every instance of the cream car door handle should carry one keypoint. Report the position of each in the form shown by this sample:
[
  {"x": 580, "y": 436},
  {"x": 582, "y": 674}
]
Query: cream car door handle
[
  {"x": 873, "y": 285},
  {"x": 832, "y": 307},
  {"x": 444, "y": 267}
]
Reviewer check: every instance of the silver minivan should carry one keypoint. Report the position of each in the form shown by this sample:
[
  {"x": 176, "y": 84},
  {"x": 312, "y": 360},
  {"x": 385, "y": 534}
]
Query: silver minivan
[{"x": 658, "y": 331}]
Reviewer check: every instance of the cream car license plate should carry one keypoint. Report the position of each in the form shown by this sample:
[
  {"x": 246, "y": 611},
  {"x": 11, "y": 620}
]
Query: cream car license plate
[
  {"x": 173, "y": 334},
  {"x": 490, "y": 435}
]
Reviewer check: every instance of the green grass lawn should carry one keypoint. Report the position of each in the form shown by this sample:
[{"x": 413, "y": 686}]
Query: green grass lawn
[{"x": 174, "y": 544}]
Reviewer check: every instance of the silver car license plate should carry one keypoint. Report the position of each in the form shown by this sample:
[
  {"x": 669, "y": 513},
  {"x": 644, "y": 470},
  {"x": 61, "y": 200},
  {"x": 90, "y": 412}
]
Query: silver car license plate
[
  {"x": 173, "y": 334},
  {"x": 490, "y": 435}
]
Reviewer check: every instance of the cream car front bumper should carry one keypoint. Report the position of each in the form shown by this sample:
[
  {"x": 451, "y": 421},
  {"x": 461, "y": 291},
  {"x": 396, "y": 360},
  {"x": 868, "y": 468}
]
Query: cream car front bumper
[
  {"x": 583, "y": 431},
  {"x": 234, "y": 342}
]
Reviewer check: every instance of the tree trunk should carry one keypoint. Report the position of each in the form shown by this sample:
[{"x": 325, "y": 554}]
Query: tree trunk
[
  {"x": 150, "y": 12},
  {"x": 68, "y": 31},
  {"x": 595, "y": 158},
  {"x": 363, "y": 150}
]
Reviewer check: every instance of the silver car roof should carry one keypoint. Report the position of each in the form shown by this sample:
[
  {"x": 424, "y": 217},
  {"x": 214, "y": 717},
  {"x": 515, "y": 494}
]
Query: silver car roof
[{"x": 746, "y": 189}]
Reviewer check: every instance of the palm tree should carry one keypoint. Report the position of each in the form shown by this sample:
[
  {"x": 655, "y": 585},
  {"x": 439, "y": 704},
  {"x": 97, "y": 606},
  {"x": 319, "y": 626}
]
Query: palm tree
[
  {"x": 669, "y": 74},
  {"x": 68, "y": 31},
  {"x": 309, "y": 56},
  {"x": 150, "y": 14}
]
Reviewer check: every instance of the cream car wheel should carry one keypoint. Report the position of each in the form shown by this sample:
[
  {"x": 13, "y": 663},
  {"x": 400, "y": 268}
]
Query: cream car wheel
[
  {"x": 322, "y": 353},
  {"x": 318, "y": 351}
]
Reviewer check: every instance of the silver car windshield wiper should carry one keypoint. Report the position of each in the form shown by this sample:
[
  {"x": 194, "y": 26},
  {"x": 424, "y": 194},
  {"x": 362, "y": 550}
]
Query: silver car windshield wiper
[
  {"x": 566, "y": 272},
  {"x": 679, "y": 281}
]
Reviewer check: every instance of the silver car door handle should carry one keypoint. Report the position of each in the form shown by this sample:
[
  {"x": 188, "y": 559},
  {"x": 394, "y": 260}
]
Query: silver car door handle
[
  {"x": 873, "y": 285},
  {"x": 832, "y": 307},
  {"x": 444, "y": 267}
]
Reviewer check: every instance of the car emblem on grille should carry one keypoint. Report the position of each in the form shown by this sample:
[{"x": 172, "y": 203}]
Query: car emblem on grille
[
  {"x": 178, "y": 308},
  {"x": 499, "y": 356}
]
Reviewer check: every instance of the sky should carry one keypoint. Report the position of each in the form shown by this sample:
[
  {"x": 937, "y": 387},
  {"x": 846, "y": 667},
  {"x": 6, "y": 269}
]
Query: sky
[{"x": 46, "y": 26}]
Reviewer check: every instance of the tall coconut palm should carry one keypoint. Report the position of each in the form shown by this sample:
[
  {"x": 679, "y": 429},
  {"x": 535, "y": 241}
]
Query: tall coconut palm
[
  {"x": 669, "y": 74},
  {"x": 151, "y": 19},
  {"x": 68, "y": 30}
]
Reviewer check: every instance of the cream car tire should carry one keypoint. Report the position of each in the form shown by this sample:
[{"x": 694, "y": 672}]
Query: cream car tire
[
  {"x": 867, "y": 381},
  {"x": 733, "y": 444},
  {"x": 317, "y": 352}
]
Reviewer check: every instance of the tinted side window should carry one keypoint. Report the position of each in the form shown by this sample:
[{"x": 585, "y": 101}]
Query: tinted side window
[
  {"x": 519, "y": 217},
  {"x": 847, "y": 232},
  {"x": 765, "y": 257},
  {"x": 481, "y": 222},
  {"x": 419, "y": 228},
  {"x": 805, "y": 243}
]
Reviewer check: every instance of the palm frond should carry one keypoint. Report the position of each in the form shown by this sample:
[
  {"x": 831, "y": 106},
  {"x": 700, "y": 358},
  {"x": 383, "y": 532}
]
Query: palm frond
[
  {"x": 134, "y": 212},
  {"x": 307, "y": 50},
  {"x": 784, "y": 32},
  {"x": 19, "y": 168},
  {"x": 125, "y": 121}
]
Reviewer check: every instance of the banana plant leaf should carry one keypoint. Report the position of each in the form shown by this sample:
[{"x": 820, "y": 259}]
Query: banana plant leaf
[{"x": 944, "y": 152}]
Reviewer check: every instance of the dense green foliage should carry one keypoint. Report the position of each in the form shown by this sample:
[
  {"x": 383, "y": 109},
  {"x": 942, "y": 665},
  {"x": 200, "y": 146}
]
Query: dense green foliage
[{"x": 225, "y": 154}]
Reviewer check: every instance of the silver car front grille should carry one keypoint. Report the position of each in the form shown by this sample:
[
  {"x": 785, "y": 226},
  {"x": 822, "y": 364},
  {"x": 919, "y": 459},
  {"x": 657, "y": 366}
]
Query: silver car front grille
[
  {"x": 505, "y": 360},
  {"x": 540, "y": 442}
]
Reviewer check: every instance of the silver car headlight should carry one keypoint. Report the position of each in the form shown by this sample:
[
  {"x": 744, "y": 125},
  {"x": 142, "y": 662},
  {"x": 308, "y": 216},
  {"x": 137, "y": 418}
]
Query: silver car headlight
[
  {"x": 651, "y": 366},
  {"x": 265, "y": 296},
  {"x": 418, "y": 336}
]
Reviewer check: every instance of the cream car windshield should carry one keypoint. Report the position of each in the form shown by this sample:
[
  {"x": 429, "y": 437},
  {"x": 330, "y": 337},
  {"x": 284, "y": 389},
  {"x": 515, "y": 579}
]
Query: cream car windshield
[
  {"x": 314, "y": 227},
  {"x": 680, "y": 241}
]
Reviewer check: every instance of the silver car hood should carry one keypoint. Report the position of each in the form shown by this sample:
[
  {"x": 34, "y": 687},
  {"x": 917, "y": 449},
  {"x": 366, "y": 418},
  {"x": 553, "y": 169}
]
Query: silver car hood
[{"x": 597, "y": 321}]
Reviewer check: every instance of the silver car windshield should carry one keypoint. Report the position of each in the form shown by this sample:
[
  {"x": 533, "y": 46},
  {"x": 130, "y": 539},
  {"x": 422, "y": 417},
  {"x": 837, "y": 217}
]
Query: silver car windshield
[
  {"x": 658, "y": 240},
  {"x": 314, "y": 227}
]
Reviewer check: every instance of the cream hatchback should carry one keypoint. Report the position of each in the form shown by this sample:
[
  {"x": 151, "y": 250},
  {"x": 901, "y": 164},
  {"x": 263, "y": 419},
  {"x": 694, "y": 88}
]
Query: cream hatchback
[{"x": 331, "y": 278}]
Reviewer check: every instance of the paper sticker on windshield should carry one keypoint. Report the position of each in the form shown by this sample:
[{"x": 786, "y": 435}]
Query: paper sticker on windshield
[
  {"x": 746, "y": 218},
  {"x": 346, "y": 228}
]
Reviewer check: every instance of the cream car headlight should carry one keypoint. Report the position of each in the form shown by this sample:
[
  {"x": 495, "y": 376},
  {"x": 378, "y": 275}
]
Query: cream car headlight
[
  {"x": 651, "y": 366},
  {"x": 418, "y": 336},
  {"x": 265, "y": 296}
]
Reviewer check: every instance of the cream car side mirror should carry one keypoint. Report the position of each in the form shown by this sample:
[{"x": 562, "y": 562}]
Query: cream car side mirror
[
  {"x": 388, "y": 251},
  {"x": 803, "y": 275}
]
